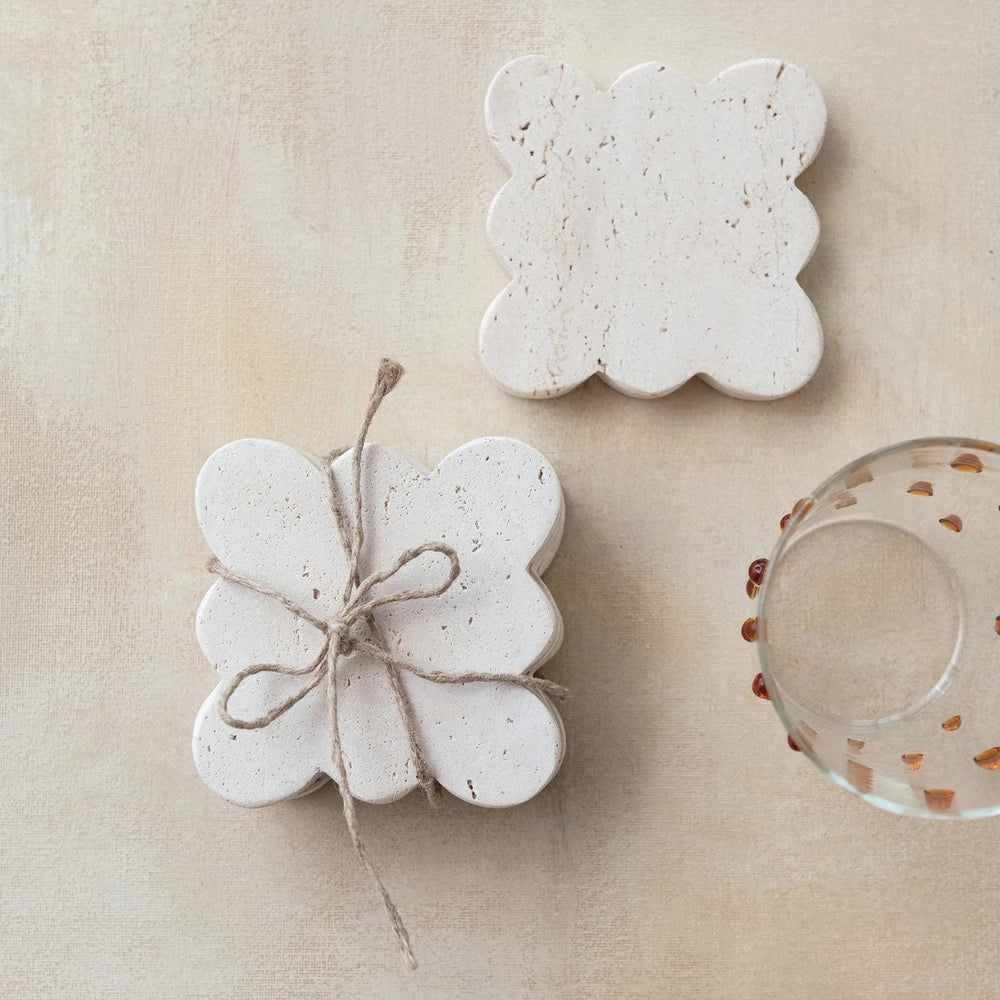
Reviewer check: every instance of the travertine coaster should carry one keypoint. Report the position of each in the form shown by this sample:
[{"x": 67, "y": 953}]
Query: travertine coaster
[
  {"x": 654, "y": 231},
  {"x": 265, "y": 511}
]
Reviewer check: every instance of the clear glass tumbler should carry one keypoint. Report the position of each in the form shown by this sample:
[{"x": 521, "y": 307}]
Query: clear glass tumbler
[{"x": 878, "y": 628}]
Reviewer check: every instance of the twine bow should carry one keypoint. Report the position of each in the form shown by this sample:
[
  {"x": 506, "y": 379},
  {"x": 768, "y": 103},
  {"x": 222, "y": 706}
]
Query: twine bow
[{"x": 345, "y": 633}]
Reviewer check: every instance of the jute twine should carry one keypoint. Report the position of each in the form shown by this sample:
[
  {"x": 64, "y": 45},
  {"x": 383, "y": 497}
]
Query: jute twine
[{"x": 355, "y": 629}]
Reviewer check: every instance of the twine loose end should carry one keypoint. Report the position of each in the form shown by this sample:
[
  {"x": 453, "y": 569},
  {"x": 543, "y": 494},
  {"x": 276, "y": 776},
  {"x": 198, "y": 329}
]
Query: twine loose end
[
  {"x": 406, "y": 952},
  {"x": 557, "y": 692},
  {"x": 389, "y": 374}
]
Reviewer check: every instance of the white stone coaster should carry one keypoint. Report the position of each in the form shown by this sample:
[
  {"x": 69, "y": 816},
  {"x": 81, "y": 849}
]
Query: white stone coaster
[
  {"x": 654, "y": 231},
  {"x": 265, "y": 512}
]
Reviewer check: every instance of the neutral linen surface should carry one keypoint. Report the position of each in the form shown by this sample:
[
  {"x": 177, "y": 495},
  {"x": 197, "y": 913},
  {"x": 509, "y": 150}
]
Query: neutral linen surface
[{"x": 216, "y": 218}]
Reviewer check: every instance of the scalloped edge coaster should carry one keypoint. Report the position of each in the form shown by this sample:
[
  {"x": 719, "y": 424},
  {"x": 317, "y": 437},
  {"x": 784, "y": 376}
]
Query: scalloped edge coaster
[
  {"x": 264, "y": 509},
  {"x": 654, "y": 231}
]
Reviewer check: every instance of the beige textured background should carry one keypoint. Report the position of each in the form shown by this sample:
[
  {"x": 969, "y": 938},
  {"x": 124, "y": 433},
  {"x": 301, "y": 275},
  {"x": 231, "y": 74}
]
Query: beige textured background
[{"x": 216, "y": 217}]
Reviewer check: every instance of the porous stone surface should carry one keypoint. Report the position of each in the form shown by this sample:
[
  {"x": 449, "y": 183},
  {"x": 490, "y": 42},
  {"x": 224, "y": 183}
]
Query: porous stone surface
[
  {"x": 264, "y": 509},
  {"x": 654, "y": 231}
]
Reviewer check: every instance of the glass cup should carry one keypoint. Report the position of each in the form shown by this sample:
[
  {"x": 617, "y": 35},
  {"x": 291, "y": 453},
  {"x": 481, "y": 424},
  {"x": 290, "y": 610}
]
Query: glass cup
[{"x": 878, "y": 628}]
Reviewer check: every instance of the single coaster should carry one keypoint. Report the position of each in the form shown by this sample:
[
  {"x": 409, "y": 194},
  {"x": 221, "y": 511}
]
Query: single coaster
[
  {"x": 265, "y": 510},
  {"x": 654, "y": 231}
]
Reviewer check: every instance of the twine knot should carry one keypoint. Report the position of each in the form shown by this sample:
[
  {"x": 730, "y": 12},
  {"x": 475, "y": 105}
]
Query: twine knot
[{"x": 345, "y": 641}]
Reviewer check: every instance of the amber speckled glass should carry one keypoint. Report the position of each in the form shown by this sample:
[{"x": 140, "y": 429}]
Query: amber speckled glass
[{"x": 878, "y": 628}]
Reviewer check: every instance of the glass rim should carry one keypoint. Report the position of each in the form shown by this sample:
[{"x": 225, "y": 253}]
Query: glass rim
[{"x": 761, "y": 644}]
